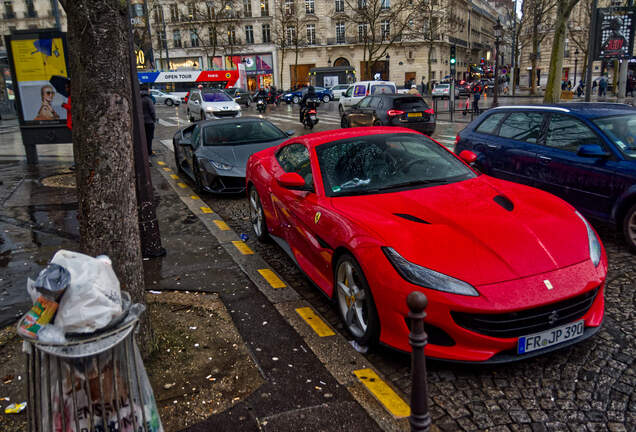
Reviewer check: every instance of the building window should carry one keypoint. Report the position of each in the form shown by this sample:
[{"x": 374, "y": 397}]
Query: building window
[
  {"x": 231, "y": 37},
  {"x": 385, "y": 28},
  {"x": 191, "y": 11},
  {"x": 174, "y": 13},
  {"x": 194, "y": 38},
  {"x": 310, "y": 7},
  {"x": 8, "y": 10},
  {"x": 362, "y": 4},
  {"x": 212, "y": 36},
  {"x": 289, "y": 7},
  {"x": 249, "y": 34},
  {"x": 566, "y": 48},
  {"x": 30, "y": 12},
  {"x": 339, "y": 5},
  {"x": 247, "y": 8},
  {"x": 311, "y": 34},
  {"x": 385, "y": 4},
  {"x": 267, "y": 37},
  {"x": 290, "y": 35},
  {"x": 362, "y": 32},
  {"x": 340, "y": 32},
  {"x": 159, "y": 15},
  {"x": 211, "y": 12},
  {"x": 264, "y": 7},
  {"x": 176, "y": 39},
  {"x": 163, "y": 42}
]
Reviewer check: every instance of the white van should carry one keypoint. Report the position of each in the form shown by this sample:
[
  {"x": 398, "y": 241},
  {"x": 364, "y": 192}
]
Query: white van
[{"x": 361, "y": 89}]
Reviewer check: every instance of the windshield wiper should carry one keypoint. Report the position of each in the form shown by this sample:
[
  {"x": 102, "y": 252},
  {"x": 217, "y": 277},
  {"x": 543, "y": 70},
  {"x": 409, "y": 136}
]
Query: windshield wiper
[{"x": 413, "y": 183}]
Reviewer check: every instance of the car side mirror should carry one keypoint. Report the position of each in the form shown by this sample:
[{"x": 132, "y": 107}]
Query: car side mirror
[
  {"x": 468, "y": 156},
  {"x": 293, "y": 181},
  {"x": 290, "y": 132},
  {"x": 592, "y": 151},
  {"x": 184, "y": 143},
  {"x": 196, "y": 102}
]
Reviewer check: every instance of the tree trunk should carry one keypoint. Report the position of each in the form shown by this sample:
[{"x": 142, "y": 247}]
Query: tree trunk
[
  {"x": 533, "y": 73},
  {"x": 282, "y": 63},
  {"x": 553, "y": 87},
  {"x": 103, "y": 142},
  {"x": 430, "y": 68},
  {"x": 296, "y": 64},
  {"x": 584, "y": 67}
]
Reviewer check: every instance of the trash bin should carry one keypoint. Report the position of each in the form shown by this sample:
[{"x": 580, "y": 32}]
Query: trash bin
[{"x": 91, "y": 383}]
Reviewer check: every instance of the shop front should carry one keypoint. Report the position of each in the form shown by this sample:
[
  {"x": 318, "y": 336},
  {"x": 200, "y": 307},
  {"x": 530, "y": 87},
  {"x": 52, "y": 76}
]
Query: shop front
[{"x": 258, "y": 68}]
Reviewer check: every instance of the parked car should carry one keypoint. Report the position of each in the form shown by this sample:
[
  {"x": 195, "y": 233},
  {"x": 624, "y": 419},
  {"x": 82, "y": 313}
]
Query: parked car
[
  {"x": 584, "y": 153},
  {"x": 214, "y": 153},
  {"x": 165, "y": 98},
  {"x": 338, "y": 90},
  {"x": 510, "y": 272},
  {"x": 296, "y": 96},
  {"x": 391, "y": 110},
  {"x": 211, "y": 104},
  {"x": 240, "y": 96},
  {"x": 442, "y": 91},
  {"x": 361, "y": 89}
]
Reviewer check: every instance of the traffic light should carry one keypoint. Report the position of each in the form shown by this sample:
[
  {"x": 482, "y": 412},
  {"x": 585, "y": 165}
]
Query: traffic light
[{"x": 453, "y": 59}]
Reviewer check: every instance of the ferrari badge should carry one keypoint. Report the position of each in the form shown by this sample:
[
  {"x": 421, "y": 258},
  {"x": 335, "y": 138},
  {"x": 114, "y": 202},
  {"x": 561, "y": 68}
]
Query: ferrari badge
[
  {"x": 317, "y": 217},
  {"x": 548, "y": 284}
]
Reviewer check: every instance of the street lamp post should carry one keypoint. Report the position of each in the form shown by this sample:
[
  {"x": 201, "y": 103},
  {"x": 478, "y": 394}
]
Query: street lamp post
[
  {"x": 386, "y": 73},
  {"x": 576, "y": 61},
  {"x": 497, "y": 28}
]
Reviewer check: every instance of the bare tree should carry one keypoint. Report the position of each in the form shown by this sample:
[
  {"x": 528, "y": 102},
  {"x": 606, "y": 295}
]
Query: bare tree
[
  {"x": 579, "y": 31},
  {"x": 283, "y": 24},
  {"x": 102, "y": 139},
  {"x": 379, "y": 25},
  {"x": 553, "y": 87},
  {"x": 538, "y": 17}
]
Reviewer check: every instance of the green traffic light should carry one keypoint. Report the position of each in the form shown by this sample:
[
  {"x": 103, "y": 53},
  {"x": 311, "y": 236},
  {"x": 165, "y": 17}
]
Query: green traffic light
[{"x": 453, "y": 61}]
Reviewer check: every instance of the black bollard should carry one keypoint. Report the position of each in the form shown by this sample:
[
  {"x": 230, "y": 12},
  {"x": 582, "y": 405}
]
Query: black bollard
[{"x": 420, "y": 419}]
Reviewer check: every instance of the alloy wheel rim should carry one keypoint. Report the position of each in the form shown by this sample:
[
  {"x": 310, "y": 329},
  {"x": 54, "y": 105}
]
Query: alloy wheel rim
[
  {"x": 351, "y": 299},
  {"x": 256, "y": 212},
  {"x": 631, "y": 228}
]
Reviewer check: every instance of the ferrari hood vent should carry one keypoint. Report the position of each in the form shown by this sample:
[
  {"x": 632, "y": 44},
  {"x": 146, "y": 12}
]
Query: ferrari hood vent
[
  {"x": 504, "y": 202},
  {"x": 411, "y": 218}
]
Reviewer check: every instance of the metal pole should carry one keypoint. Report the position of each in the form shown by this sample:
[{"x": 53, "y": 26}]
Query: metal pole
[
  {"x": 590, "y": 54},
  {"x": 514, "y": 48},
  {"x": 165, "y": 39},
  {"x": 148, "y": 225},
  {"x": 495, "y": 99},
  {"x": 420, "y": 419},
  {"x": 56, "y": 14},
  {"x": 576, "y": 61}
]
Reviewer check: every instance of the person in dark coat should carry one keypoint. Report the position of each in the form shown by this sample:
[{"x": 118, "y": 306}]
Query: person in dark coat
[
  {"x": 476, "y": 97},
  {"x": 150, "y": 118}
]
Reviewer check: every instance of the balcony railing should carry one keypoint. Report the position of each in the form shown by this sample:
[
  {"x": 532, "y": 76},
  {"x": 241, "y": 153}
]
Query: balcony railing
[
  {"x": 9, "y": 15},
  {"x": 31, "y": 13}
]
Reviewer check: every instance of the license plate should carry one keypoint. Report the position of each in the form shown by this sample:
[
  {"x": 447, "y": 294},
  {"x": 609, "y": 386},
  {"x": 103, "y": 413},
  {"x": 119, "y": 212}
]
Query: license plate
[
  {"x": 313, "y": 117},
  {"x": 414, "y": 115},
  {"x": 550, "y": 337}
]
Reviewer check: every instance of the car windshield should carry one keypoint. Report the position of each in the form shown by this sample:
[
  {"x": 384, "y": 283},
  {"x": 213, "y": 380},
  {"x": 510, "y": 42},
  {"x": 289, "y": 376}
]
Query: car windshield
[
  {"x": 386, "y": 163},
  {"x": 621, "y": 130},
  {"x": 216, "y": 97},
  {"x": 225, "y": 134}
]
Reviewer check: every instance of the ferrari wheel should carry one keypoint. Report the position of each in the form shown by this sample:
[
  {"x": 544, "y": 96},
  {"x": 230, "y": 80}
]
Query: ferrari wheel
[
  {"x": 629, "y": 227},
  {"x": 355, "y": 302},
  {"x": 257, "y": 216}
]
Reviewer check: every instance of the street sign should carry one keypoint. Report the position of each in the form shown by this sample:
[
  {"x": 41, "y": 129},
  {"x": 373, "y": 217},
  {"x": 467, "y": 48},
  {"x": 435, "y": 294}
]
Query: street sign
[{"x": 615, "y": 33}]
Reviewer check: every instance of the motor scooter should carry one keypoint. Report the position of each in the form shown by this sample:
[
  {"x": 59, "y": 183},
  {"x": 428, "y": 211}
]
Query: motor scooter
[
  {"x": 261, "y": 106},
  {"x": 310, "y": 119}
]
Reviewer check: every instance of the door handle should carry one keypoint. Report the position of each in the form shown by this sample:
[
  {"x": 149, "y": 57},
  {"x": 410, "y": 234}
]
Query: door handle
[
  {"x": 492, "y": 146},
  {"x": 544, "y": 159}
]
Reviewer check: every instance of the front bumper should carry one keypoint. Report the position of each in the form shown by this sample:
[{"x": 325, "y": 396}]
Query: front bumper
[
  {"x": 220, "y": 182},
  {"x": 448, "y": 340},
  {"x": 210, "y": 115}
]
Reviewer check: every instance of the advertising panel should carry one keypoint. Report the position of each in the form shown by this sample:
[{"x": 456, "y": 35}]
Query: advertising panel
[
  {"x": 38, "y": 61},
  {"x": 615, "y": 32}
]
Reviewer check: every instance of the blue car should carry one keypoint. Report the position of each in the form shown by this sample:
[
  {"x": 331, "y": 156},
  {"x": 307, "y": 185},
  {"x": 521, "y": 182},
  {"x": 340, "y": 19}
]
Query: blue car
[
  {"x": 296, "y": 96},
  {"x": 584, "y": 153}
]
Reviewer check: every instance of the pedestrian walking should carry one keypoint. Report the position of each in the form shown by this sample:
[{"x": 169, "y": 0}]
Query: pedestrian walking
[
  {"x": 150, "y": 118},
  {"x": 476, "y": 97},
  {"x": 631, "y": 82},
  {"x": 602, "y": 86}
]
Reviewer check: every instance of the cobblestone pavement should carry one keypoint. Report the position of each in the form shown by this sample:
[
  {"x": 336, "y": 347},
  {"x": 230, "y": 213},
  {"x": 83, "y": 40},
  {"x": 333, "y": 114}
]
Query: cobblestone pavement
[{"x": 587, "y": 387}]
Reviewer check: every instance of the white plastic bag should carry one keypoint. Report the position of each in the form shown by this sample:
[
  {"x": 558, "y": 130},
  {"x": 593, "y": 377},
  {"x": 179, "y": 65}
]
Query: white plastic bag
[{"x": 93, "y": 298}]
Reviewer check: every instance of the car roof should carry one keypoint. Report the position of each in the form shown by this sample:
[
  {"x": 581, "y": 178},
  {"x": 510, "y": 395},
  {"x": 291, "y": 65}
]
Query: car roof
[
  {"x": 583, "y": 109},
  {"x": 319, "y": 138},
  {"x": 245, "y": 119},
  {"x": 373, "y": 82}
]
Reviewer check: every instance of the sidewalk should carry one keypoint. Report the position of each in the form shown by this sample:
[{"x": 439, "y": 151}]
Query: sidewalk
[{"x": 281, "y": 382}]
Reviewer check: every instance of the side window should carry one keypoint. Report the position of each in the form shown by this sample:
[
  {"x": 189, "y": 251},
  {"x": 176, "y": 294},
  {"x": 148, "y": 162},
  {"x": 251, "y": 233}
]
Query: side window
[
  {"x": 491, "y": 124},
  {"x": 569, "y": 133},
  {"x": 295, "y": 158},
  {"x": 522, "y": 126},
  {"x": 349, "y": 92},
  {"x": 365, "y": 102},
  {"x": 360, "y": 90},
  {"x": 375, "y": 102},
  {"x": 196, "y": 133}
]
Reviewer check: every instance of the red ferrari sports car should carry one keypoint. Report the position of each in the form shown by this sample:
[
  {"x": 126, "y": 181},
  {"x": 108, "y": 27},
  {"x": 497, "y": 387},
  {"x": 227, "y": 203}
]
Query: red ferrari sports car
[{"x": 372, "y": 214}]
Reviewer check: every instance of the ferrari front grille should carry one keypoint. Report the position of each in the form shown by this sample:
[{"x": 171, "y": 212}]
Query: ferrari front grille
[{"x": 528, "y": 321}]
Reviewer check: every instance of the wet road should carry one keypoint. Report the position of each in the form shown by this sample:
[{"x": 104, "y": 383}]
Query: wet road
[{"x": 589, "y": 386}]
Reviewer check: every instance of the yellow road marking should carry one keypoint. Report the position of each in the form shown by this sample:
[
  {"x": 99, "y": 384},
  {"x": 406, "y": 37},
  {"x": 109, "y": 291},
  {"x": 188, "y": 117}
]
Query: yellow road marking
[
  {"x": 222, "y": 225},
  {"x": 206, "y": 210},
  {"x": 182, "y": 185},
  {"x": 242, "y": 247},
  {"x": 314, "y": 321},
  {"x": 161, "y": 162},
  {"x": 385, "y": 394},
  {"x": 194, "y": 197},
  {"x": 174, "y": 176},
  {"x": 271, "y": 278},
  {"x": 166, "y": 169}
]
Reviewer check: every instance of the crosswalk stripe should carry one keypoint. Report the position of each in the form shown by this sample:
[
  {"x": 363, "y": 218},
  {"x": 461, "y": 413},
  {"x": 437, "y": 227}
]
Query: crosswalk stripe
[
  {"x": 167, "y": 144},
  {"x": 295, "y": 118},
  {"x": 162, "y": 122}
]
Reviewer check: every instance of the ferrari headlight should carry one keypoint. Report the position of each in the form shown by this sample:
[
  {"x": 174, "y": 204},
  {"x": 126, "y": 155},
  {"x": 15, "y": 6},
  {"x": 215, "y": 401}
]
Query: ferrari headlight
[
  {"x": 220, "y": 165},
  {"x": 427, "y": 278},
  {"x": 595, "y": 245}
]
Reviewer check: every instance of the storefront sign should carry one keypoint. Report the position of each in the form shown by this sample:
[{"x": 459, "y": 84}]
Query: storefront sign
[{"x": 615, "y": 32}]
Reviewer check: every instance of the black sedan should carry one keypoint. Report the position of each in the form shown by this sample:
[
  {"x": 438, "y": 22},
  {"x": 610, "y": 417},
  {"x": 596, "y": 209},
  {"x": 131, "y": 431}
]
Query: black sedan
[
  {"x": 403, "y": 110},
  {"x": 240, "y": 96},
  {"x": 214, "y": 153}
]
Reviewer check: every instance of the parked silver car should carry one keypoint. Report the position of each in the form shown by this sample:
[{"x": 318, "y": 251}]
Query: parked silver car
[
  {"x": 165, "y": 98},
  {"x": 211, "y": 104}
]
